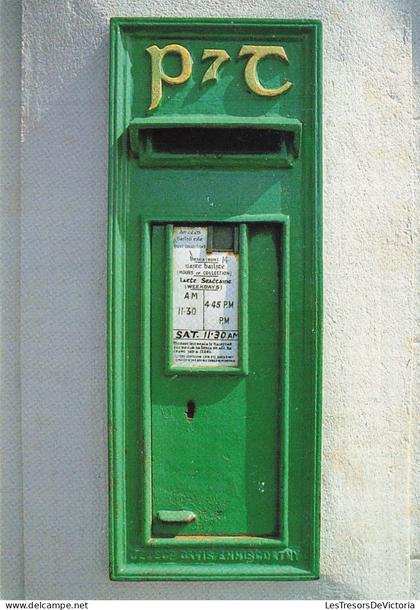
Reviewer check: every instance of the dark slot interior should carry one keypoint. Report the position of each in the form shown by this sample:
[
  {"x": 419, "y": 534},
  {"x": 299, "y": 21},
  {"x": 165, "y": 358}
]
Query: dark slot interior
[
  {"x": 215, "y": 141},
  {"x": 223, "y": 238}
]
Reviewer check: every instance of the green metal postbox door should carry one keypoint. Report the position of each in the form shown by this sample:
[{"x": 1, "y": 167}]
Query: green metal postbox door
[
  {"x": 215, "y": 440},
  {"x": 214, "y": 309}
]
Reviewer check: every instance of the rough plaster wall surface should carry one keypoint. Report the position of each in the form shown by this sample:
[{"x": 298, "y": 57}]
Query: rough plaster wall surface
[
  {"x": 11, "y": 521},
  {"x": 415, "y": 442},
  {"x": 368, "y": 298}
]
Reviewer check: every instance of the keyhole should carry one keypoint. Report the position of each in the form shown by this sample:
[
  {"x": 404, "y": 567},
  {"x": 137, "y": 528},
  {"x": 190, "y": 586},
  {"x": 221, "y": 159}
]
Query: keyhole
[{"x": 190, "y": 410}]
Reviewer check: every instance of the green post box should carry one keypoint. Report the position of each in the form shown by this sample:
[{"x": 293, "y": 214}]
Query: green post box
[{"x": 214, "y": 299}]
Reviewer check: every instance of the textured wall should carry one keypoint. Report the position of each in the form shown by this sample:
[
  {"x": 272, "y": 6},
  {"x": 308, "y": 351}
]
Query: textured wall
[
  {"x": 11, "y": 522},
  {"x": 368, "y": 298},
  {"x": 415, "y": 440}
]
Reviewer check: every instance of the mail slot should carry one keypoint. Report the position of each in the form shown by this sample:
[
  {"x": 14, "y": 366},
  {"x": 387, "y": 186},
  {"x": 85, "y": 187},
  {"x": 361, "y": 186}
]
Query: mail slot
[{"x": 214, "y": 299}]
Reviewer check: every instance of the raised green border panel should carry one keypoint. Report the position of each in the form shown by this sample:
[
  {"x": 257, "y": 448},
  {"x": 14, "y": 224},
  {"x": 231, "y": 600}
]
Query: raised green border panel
[{"x": 134, "y": 554}]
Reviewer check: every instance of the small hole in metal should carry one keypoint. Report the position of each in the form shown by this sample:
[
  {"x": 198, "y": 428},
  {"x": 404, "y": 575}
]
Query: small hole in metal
[{"x": 190, "y": 410}]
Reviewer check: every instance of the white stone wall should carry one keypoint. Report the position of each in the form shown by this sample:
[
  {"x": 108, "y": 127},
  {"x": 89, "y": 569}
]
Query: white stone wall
[
  {"x": 415, "y": 412},
  {"x": 61, "y": 305}
]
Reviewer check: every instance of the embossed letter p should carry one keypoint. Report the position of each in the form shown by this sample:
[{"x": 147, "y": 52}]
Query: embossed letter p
[{"x": 158, "y": 75}]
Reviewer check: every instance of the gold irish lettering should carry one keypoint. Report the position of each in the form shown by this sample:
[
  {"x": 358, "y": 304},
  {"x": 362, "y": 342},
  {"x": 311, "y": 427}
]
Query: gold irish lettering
[{"x": 158, "y": 74}]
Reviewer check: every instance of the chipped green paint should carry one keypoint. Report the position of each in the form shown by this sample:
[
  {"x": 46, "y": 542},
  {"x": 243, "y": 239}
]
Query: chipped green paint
[
  {"x": 175, "y": 516},
  {"x": 214, "y": 473}
]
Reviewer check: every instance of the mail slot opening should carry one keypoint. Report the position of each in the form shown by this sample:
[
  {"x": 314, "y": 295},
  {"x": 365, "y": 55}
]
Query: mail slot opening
[{"x": 215, "y": 141}]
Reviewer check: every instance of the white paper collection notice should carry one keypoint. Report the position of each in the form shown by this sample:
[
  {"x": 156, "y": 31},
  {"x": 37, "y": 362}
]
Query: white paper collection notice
[{"x": 204, "y": 302}]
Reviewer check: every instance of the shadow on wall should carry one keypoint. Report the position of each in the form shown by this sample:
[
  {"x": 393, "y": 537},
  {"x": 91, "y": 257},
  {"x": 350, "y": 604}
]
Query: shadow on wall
[{"x": 11, "y": 525}]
